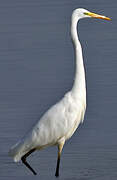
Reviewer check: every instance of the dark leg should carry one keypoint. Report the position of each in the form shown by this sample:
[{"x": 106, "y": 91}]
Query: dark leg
[
  {"x": 60, "y": 147},
  {"x": 25, "y": 162},
  {"x": 57, "y": 167}
]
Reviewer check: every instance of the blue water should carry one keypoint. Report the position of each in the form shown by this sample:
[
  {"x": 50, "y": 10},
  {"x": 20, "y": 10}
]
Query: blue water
[{"x": 37, "y": 68}]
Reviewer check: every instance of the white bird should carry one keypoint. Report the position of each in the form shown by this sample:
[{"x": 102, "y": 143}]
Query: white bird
[{"x": 59, "y": 123}]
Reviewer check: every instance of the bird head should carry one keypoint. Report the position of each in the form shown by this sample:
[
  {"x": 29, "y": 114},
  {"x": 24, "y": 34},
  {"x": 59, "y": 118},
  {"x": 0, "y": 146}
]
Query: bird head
[{"x": 83, "y": 13}]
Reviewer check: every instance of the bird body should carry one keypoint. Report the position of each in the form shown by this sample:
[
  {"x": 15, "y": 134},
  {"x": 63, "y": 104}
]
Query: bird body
[
  {"x": 60, "y": 122},
  {"x": 57, "y": 123}
]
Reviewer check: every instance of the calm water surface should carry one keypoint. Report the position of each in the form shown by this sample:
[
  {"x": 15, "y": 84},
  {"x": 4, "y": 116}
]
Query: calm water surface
[{"x": 37, "y": 68}]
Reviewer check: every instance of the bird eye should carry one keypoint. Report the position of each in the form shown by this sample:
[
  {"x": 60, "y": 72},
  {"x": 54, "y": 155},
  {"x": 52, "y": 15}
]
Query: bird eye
[{"x": 86, "y": 13}]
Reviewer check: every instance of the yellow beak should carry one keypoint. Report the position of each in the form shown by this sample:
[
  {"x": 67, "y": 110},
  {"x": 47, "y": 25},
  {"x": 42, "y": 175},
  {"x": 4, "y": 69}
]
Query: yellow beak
[{"x": 93, "y": 15}]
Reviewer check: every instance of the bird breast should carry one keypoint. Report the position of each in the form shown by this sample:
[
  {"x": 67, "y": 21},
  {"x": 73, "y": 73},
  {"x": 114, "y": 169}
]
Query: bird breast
[
  {"x": 78, "y": 108},
  {"x": 61, "y": 120}
]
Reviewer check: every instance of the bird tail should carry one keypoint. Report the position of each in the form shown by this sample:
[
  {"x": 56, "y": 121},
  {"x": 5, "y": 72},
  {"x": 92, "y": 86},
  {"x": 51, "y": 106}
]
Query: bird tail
[
  {"x": 17, "y": 151},
  {"x": 20, "y": 149}
]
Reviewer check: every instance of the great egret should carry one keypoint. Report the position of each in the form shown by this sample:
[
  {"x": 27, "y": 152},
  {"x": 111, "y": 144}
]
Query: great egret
[{"x": 60, "y": 122}]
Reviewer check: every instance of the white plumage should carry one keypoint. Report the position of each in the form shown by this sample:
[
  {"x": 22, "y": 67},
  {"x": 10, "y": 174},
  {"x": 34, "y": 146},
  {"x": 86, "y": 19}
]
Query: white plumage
[
  {"x": 57, "y": 123},
  {"x": 60, "y": 122}
]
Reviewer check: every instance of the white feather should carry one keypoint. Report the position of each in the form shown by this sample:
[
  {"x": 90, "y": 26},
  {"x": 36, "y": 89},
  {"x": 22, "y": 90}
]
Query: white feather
[{"x": 62, "y": 119}]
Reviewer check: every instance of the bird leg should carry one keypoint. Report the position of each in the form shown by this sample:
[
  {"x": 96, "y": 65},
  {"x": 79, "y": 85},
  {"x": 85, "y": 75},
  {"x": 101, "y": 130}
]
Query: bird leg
[
  {"x": 25, "y": 162},
  {"x": 60, "y": 147}
]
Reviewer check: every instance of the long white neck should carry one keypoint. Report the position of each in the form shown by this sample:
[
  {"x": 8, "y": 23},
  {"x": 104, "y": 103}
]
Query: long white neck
[{"x": 79, "y": 89}]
